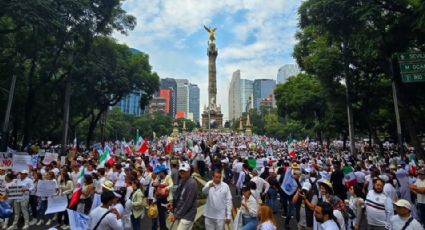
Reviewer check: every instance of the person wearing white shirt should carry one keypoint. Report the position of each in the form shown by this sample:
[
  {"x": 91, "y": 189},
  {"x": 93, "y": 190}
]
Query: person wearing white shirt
[
  {"x": 219, "y": 203},
  {"x": 21, "y": 205},
  {"x": 324, "y": 215},
  {"x": 249, "y": 208},
  {"x": 120, "y": 179},
  {"x": 403, "y": 219},
  {"x": 379, "y": 207},
  {"x": 101, "y": 218},
  {"x": 262, "y": 185}
]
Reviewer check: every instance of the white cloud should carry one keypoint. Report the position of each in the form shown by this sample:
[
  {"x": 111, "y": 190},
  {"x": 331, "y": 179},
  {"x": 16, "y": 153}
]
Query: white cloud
[{"x": 254, "y": 36}]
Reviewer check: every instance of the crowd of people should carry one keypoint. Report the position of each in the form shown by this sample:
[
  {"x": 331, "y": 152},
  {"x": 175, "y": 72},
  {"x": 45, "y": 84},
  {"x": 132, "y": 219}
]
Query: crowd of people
[{"x": 246, "y": 182}]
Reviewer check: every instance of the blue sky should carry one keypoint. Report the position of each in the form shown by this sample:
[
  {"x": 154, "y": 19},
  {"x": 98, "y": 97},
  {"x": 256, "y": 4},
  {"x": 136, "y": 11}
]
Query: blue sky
[{"x": 255, "y": 36}]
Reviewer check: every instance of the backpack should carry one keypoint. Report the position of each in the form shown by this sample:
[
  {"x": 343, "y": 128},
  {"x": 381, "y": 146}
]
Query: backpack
[
  {"x": 314, "y": 189},
  {"x": 247, "y": 178}
]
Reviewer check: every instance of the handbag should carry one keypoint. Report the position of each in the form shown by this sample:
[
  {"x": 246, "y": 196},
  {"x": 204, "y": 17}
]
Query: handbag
[
  {"x": 162, "y": 191},
  {"x": 152, "y": 211}
]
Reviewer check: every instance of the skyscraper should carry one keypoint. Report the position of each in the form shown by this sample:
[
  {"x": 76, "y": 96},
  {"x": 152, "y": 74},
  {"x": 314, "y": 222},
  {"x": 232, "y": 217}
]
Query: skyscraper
[
  {"x": 262, "y": 89},
  {"x": 240, "y": 90},
  {"x": 170, "y": 83},
  {"x": 286, "y": 71},
  {"x": 182, "y": 102},
  {"x": 131, "y": 104},
  {"x": 194, "y": 102}
]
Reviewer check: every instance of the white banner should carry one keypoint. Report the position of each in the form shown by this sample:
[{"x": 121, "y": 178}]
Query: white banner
[
  {"x": 56, "y": 204},
  {"x": 78, "y": 221},
  {"x": 21, "y": 162},
  {"x": 96, "y": 201},
  {"x": 49, "y": 157},
  {"x": 46, "y": 188}
]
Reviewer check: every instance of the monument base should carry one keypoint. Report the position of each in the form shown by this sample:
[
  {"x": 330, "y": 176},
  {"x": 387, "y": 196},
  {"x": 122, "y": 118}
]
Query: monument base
[{"x": 216, "y": 120}]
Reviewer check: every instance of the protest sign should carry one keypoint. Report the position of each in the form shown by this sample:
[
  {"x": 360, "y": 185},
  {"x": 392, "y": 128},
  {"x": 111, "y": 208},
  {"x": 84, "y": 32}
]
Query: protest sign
[
  {"x": 34, "y": 160},
  {"x": 49, "y": 157},
  {"x": 46, "y": 188},
  {"x": 6, "y": 160},
  {"x": 77, "y": 221},
  {"x": 15, "y": 192},
  {"x": 63, "y": 160},
  {"x": 56, "y": 204},
  {"x": 96, "y": 201},
  {"x": 21, "y": 162}
]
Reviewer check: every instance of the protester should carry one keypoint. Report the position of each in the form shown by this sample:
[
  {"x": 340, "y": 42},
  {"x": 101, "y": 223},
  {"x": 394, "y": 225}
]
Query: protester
[
  {"x": 266, "y": 218},
  {"x": 86, "y": 198},
  {"x": 323, "y": 212},
  {"x": 21, "y": 205},
  {"x": 138, "y": 204},
  {"x": 419, "y": 189},
  {"x": 219, "y": 203},
  {"x": 403, "y": 220},
  {"x": 101, "y": 218},
  {"x": 184, "y": 206},
  {"x": 249, "y": 208},
  {"x": 304, "y": 214},
  {"x": 356, "y": 204},
  {"x": 163, "y": 185},
  {"x": 65, "y": 187},
  {"x": 379, "y": 208}
]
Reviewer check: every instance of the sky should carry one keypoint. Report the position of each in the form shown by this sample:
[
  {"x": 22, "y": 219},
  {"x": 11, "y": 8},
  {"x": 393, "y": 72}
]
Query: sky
[{"x": 255, "y": 36}]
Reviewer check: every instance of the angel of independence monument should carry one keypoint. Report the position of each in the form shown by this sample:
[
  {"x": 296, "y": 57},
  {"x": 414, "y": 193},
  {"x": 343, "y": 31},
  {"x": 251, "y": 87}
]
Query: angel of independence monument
[{"x": 212, "y": 116}]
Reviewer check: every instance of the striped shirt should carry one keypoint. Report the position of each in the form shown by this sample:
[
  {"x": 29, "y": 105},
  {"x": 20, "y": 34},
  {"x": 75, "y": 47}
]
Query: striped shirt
[{"x": 379, "y": 209}]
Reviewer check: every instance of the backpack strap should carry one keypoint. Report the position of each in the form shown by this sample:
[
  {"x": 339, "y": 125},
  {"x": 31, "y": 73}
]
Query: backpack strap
[
  {"x": 407, "y": 223},
  {"x": 104, "y": 215}
]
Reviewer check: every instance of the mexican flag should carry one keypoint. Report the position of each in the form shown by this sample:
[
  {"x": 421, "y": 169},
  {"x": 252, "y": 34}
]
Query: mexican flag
[
  {"x": 127, "y": 148},
  {"x": 105, "y": 156},
  {"x": 349, "y": 176},
  {"x": 291, "y": 150},
  {"x": 75, "y": 197},
  {"x": 143, "y": 147}
]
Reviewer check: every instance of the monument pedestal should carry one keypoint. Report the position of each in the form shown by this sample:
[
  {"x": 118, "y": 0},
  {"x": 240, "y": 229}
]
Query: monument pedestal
[{"x": 216, "y": 119}]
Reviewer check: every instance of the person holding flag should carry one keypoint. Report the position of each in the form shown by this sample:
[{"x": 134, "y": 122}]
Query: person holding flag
[{"x": 289, "y": 186}]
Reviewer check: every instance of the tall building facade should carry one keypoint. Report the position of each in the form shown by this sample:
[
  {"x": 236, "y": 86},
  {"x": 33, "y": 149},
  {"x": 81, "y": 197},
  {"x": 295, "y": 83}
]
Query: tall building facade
[
  {"x": 194, "y": 102},
  {"x": 246, "y": 94},
  {"x": 182, "y": 102},
  {"x": 234, "y": 96},
  {"x": 171, "y": 84},
  {"x": 262, "y": 89},
  {"x": 287, "y": 71},
  {"x": 240, "y": 93},
  {"x": 131, "y": 104},
  {"x": 166, "y": 94}
]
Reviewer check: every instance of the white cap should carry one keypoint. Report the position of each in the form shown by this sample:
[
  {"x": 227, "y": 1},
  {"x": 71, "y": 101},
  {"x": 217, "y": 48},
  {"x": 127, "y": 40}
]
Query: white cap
[
  {"x": 225, "y": 161},
  {"x": 385, "y": 178},
  {"x": 306, "y": 186},
  {"x": 24, "y": 171},
  {"x": 403, "y": 203},
  {"x": 184, "y": 167}
]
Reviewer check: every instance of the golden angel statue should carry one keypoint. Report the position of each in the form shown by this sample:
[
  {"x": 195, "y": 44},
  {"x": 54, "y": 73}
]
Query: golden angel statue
[{"x": 211, "y": 31}]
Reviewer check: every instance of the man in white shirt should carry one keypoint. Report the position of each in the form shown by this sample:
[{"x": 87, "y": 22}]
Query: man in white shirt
[
  {"x": 21, "y": 205},
  {"x": 379, "y": 208},
  {"x": 219, "y": 203},
  {"x": 403, "y": 219},
  {"x": 103, "y": 219},
  {"x": 324, "y": 216}
]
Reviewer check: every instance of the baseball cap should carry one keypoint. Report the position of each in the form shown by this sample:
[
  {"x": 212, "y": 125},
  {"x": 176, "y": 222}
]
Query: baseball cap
[
  {"x": 306, "y": 186},
  {"x": 24, "y": 171},
  {"x": 184, "y": 167},
  {"x": 403, "y": 203}
]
